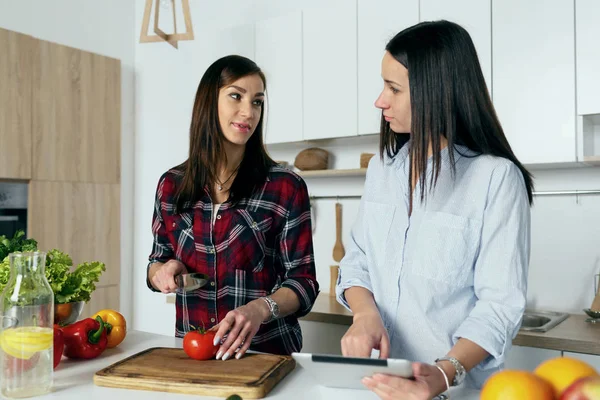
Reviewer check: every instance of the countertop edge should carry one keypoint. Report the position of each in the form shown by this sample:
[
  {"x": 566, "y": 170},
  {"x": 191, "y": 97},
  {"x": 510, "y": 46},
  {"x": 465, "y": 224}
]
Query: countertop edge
[{"x": 571, "y": 335}]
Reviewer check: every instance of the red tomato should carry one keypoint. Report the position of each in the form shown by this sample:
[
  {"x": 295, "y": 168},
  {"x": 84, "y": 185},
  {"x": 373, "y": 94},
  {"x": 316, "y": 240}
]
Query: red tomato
[{"x": 199, "y": 344}]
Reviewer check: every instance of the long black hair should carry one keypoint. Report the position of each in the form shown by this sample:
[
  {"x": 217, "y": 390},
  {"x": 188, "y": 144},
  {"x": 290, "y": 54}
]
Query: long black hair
[
  {"x": 206, "y": 138},
  {"x": 448, "y": 97}
]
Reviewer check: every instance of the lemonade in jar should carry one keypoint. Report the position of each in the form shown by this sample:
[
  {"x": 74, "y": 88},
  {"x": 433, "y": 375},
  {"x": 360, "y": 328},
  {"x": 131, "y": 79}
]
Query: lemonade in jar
[{"x": 26, "y": 333}]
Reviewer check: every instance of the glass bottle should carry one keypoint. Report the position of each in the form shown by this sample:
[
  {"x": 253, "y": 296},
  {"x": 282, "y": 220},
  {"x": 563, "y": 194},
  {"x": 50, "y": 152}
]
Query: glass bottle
[{"x": 26, "y": 334}]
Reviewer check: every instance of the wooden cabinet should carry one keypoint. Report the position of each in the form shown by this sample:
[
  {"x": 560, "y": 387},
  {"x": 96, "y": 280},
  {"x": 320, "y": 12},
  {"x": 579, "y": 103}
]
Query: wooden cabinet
[
  {"x": 528, "y": 358},
  {"x": 588, "y": 56},
  {"x": 17, "y": 54},
  {"x": 378, "y": 22},
  {"x": 60, "y": 128},
  {"x": 475, "y": 17},
  {"x": 81, "y": 219},
  {"x": 279, "y": 55},
  {"x": 329, "y": 65},
  {"x": 76, "y": 112},
  {"x": 534, "y": 77}
]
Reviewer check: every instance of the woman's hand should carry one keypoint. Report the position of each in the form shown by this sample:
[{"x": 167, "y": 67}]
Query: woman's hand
[
  {"x": 164, "y": 278},
  {"x": 428, "y": 382},
  {"x": 240, "y": 325},
  {"x": 366, "y": 333}
]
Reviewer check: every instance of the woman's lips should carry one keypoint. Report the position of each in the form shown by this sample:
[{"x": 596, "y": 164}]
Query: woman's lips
[
  {"x": 244, "y": 128},
  {"x": 388, "y": 119}
]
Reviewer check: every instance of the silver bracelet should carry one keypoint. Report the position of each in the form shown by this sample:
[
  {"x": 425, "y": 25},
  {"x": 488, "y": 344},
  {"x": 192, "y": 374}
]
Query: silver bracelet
[{"x": 447, "y": 383}]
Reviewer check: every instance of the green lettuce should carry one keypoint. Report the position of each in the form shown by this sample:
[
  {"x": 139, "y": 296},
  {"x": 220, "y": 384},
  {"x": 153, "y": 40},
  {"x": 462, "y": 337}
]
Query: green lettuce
[
  {"x": 68, "y": 286},
  {"x": 19, "y": 243}
]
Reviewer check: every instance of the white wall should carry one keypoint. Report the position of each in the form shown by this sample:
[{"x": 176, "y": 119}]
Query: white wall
[
  {"x": 102, "y": 27},
  {"x": 566, "y": 230}
]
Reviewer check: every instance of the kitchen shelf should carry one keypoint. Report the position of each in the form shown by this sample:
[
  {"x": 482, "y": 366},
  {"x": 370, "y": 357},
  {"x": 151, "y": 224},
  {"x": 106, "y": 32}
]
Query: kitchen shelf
[
  {"x": 592, "y": 160},
  {"x": 333, "y": 173}
]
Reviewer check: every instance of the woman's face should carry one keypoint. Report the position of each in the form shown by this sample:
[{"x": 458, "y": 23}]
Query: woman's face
[
  {"x": 240, "y": 105},
  {"x": 394, "y": 100}
]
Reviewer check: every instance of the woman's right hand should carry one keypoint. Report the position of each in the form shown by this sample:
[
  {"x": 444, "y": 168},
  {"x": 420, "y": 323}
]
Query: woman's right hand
[
  {"x": 366, "y": 333},
  {"x": 164, "y": 278}
]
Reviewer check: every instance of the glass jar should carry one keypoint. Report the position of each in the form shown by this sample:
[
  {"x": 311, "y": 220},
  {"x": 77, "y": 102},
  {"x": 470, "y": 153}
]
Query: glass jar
[{"x": 26, "y": 334}]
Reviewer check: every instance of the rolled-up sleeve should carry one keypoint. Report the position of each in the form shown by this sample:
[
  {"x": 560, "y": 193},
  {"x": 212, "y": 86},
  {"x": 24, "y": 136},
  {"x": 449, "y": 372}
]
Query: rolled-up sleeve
[
  {"x": 500, "y": 274},
  {"x": 162, "y": 250},
  {"x": 353, "y": 269},
  {"x": 296, "y": 251}
]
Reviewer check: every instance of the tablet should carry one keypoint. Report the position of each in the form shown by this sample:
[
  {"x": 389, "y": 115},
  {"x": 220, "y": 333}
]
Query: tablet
[{"x": 347, "y": 372}]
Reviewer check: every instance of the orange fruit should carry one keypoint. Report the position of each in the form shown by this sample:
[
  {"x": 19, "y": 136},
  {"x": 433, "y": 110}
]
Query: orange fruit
[
  {"x": 516, "y": 385},
  {"x": 561, "y": 372}
]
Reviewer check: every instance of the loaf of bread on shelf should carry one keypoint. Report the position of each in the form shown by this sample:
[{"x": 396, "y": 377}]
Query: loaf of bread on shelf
[
  {"x": 312, "y": 159},
  {"x": 364, "y": 159}
]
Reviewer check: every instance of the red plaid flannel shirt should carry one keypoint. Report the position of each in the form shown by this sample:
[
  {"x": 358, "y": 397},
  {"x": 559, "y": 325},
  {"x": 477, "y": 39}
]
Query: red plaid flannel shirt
[{"x": 255, "y": 247}]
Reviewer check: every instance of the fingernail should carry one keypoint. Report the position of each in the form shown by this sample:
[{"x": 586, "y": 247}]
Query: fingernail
[
  {"x": 238, "y": 356},
  {"x": 216, "y": 341},
  {"x": 218, "y": 355},
  {"x": 226, "y": 356}
]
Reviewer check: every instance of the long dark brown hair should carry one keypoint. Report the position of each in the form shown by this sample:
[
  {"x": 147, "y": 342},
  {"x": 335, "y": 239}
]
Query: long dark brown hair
[
  {"x": 448, "y": 97},
  {"x": 207, "y": 149}
]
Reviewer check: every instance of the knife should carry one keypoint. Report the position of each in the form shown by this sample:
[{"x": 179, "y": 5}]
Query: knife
[{"x": 193, "y": 281}]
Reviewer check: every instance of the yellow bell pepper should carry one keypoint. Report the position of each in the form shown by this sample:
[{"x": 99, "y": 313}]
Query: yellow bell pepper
[{"x": 116, "y": 326}]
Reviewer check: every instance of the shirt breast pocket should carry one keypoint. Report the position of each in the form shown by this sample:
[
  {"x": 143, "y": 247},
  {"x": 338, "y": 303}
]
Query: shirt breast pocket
[
  {"x": 446, "y": 248},
  {"x": 253, "y": 241},
  {"x": 378, "y": 222},
  {"x": 179, "y": 228}
]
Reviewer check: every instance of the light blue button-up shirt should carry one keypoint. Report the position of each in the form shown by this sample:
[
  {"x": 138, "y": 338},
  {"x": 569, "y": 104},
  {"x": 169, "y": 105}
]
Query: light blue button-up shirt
[{"x": 455, "y": 268}]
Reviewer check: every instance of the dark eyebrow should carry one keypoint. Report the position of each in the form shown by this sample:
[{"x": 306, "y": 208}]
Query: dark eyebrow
[
  {"x": 259, "y": 94},
  {"x": 388, "y": 81}
]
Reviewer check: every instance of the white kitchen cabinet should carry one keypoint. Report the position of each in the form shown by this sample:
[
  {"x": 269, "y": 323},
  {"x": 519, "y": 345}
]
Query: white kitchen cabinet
[
  {"x": 534, "y": 77},
  {"x": 528, "y": 358},
  {"x": 329, "y": 66},
  {"x": 378, "y": 22},
  {"x": 279, "y": 54},
  {"x": 475, "y": 17},
  {"x": 591, "y": 359},
  {"x": 588, "y": 56}
]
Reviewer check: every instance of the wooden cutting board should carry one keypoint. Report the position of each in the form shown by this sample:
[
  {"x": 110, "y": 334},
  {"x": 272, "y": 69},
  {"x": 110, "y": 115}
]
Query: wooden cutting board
[{"x": 171, "y": 370}]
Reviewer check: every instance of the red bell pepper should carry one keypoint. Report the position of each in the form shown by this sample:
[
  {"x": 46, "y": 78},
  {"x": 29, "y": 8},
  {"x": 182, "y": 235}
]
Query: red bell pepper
[
  {"x": 85, "y": 339},
  {"x": 59, "y": 344}
]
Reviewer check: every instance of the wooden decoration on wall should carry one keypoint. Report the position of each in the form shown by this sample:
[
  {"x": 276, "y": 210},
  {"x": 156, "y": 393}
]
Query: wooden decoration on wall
[{"x": 171, "y": 38}]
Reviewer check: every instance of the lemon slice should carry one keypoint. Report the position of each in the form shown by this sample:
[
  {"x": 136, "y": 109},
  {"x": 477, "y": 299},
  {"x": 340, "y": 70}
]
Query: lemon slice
[{"x": 24, "y": 342}]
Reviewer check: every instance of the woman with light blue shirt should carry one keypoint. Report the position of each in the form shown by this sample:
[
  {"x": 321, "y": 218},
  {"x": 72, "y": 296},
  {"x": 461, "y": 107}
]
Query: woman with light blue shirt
[{"x": 436, "y": 271}]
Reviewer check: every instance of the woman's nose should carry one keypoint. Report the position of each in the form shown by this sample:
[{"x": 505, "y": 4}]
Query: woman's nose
[
  {"x": 381, "y": 102},
  {"x": 246, "y": 109}
]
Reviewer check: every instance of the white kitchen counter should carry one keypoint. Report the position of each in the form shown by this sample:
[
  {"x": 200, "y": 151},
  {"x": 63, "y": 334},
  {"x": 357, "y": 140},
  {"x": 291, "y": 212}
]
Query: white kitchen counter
[{"x": 74, "y": 379}]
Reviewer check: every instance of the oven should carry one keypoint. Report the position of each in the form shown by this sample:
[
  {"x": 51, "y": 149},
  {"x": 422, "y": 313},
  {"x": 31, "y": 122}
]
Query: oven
[{"x": 13, "y": 208}]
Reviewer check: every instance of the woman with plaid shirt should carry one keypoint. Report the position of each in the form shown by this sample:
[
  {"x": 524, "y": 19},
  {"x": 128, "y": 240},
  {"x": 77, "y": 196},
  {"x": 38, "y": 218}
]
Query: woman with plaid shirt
[{"x": 230, "y": 212}]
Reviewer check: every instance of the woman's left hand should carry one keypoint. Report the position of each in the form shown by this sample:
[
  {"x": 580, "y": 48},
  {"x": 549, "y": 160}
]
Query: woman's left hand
[
  {"x": 240, "y": 325},
  {"x": 428, "y": 382}
]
